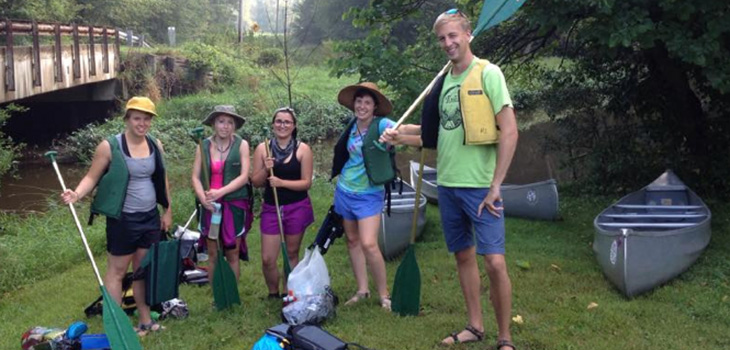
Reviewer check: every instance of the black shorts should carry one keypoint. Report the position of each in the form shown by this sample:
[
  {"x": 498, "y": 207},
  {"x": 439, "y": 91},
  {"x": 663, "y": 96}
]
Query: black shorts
[{"x": 132, "y": 231}]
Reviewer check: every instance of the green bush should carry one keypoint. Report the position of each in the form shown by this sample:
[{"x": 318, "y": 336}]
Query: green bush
[
  {"x": 270, "y": 57},
  {"x": 219, "y": 61},
  {"x": 8, "y": 150}
]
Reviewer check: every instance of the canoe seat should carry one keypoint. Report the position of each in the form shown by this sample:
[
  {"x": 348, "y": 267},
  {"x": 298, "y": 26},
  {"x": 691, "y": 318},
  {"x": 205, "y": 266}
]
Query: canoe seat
[
  {"x": 666, "y": 195},
  {"x": 663, "y": 207},
  {"x": 656, "y": 216},
  {"x": 647, "y": 224}
]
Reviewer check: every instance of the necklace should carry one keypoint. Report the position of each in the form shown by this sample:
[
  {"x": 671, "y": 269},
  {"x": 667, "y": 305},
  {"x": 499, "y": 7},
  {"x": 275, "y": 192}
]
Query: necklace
[{"x": 223, "y": 150}]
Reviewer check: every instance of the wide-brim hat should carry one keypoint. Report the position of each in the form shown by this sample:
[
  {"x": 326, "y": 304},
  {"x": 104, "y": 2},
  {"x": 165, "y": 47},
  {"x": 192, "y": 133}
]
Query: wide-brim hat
[
  {"x": 226, "y": 110},
  {"x": 346, "y": 97},
  {"x": 142, "y": 104}
]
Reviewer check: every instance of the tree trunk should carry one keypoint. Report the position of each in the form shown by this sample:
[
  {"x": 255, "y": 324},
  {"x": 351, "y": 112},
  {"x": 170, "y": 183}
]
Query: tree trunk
[{"x": 681, "y": 102}]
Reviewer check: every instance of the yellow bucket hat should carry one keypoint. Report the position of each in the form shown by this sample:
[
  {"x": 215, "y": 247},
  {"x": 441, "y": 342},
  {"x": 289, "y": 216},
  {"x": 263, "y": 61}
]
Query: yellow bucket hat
[{"x": 142, "y": 104}]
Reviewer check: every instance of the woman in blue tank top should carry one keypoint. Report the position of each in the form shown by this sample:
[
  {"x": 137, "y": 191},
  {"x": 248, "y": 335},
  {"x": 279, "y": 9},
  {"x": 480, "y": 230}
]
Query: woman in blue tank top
[{"x": 292, "y": 162}]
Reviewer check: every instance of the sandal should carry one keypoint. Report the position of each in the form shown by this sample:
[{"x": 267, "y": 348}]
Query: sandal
[
  {"x": 143, "y": 329},
  {"x": 357, "y": 297},
  {"x": 385, "y": 303},
  {"x": 505, "y": 342},
  {"x": 478, "y": 336}
]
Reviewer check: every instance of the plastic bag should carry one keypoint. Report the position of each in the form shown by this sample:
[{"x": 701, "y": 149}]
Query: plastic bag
[
  {"x": 313, "y": 309},
  {"x": 310, "y": 276}
]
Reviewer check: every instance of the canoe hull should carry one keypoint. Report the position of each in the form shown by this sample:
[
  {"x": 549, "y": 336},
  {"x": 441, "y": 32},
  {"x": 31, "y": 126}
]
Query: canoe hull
[
  {"x": 395, "y": 230},
  {"x": 430, "y": 186},
  {"x": 640, "y": 245},
  {"x": 537, "y": 200}
]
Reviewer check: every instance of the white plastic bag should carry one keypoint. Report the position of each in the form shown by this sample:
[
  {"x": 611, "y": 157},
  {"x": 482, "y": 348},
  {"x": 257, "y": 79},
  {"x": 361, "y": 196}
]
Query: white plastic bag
[{"x": 310, "y": 276}]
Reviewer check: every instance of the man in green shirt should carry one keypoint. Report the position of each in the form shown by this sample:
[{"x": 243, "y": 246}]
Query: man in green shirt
[{"x": 470, "y": 171}]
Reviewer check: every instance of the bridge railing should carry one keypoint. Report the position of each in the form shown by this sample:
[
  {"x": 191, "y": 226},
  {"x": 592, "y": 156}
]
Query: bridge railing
[{"x": 91, "y": 34}]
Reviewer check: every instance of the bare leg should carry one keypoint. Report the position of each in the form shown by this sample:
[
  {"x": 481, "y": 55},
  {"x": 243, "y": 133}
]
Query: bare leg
[
  {"x": 117, "y": 266},
  {"x": 269, "y": 254},
  {"x": 368, "y": 229},
  {"x": 232, "y": 258},
  {"x": 293, "y": 244},
  {"x": 138, "y": 287},
  {"x": 500, "y": 293},
  {"x": 357, "y": 257},
  {"x": 466, "y": 265}
]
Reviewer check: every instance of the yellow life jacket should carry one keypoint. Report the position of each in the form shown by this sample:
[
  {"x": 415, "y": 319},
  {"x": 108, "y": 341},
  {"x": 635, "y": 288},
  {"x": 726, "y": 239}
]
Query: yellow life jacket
[{"x": 477, "y": 114}]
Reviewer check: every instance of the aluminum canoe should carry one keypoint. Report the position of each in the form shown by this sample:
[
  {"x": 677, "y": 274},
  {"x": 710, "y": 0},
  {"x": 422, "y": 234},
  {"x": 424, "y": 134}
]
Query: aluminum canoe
[
  {"x": 652, "y": 235},
  {"x": 395, "y": 230}
]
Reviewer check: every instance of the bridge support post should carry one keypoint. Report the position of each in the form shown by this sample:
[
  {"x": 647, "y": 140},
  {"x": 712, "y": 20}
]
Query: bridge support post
[
  {"x": 57, "y": 55},
  {"x": 9, "y": 61},
  {"x": 35, "y": 62},
  {"x": 76, "y": 54},
  {"x": 105, "y": 51},
  {"x": 92, "y": 52}
]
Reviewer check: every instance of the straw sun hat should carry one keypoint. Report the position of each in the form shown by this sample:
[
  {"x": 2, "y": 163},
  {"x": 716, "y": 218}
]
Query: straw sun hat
[{"x": 346, "y": 97}]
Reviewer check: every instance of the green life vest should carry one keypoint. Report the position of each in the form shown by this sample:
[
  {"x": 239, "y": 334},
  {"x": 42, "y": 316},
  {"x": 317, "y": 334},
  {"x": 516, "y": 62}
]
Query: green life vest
[
  {"x": 112, "y": 188},
  {"x": 379, "y": 160},
  {"x": 231, "y": 167},
  {"x": 379, "y": 163}
]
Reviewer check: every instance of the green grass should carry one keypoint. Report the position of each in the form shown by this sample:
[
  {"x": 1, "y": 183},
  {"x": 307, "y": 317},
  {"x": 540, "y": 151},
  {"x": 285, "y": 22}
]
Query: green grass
[{"x": 691, "y": 311}]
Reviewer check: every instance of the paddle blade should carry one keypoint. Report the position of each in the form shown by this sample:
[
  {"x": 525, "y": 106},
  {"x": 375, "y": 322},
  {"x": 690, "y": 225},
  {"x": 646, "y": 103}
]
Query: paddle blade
[
  {"x": 225, "y": 288},
  {"x": 406, "y": 295},
  {"x": 118, "y": 329},
  {"x": 285, "y": 257},
  {"x": 494, "y": 12}
]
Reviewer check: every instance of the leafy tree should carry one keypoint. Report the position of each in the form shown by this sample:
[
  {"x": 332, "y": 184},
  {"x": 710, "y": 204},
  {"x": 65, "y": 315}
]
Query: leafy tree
[{"x": 319, "y": 20}]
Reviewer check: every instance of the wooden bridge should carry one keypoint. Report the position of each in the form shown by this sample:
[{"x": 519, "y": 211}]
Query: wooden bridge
[{"x": 71, "y": 55}]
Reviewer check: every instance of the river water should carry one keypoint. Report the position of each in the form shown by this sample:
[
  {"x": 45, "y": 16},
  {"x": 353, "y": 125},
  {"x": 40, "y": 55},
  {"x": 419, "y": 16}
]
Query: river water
[{"x": 33, "y": 185}]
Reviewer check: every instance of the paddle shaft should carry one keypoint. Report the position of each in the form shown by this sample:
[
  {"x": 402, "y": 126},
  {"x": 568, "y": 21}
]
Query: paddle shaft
[
  {"x": 417, "y": 203},
  {"x": 78, "y": 225},
  {"x": 423, "y": 94},
  {"x": 276, "y": 196}
]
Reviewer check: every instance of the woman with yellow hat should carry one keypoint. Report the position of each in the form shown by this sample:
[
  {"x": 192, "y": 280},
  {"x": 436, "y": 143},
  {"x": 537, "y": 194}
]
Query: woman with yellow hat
[
  {"x": 128, "y": 171},
  {"x": 225, "y": 156},
  {"x": 357, "y": 198}
]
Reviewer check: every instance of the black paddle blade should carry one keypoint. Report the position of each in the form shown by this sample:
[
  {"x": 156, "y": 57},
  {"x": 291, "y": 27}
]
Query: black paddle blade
[{"x": 407, "y": 285}]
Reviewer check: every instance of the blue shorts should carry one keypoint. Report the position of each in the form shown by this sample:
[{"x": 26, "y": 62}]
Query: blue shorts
[
  {"x": 458, "y": 207},
  {"x": 358, "y": 206}
]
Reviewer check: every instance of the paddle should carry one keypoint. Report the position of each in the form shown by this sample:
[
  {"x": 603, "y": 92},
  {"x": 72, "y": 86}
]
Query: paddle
[
  {"x": 407, "y": 284},
  {"x": 225, "y": 287},
  {"x": 284, "y": 254},
  {"x": 117, "y": 326},
  {"x": 492, "y": 13}
]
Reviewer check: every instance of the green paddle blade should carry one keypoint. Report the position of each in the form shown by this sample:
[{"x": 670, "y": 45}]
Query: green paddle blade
[
  {"x": 285, "y": 256},
  {"x": 494, "y": 12},
  {"x": 225, "y": 288},
  {"x": 118, "y": 329},
  {"x": 406, "y": 296}
]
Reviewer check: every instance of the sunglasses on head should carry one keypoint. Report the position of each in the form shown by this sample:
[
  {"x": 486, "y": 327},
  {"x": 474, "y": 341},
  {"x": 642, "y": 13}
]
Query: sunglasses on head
[
  {"x": 455, "y": 11},
  {"x": 284, "y": 109}
]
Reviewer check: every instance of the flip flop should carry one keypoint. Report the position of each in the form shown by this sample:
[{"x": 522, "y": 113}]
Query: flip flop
[
  {"x": 143, "y": 329},
  {"x": 479, "y": 336},
  {"x": 504, "y": 342}
]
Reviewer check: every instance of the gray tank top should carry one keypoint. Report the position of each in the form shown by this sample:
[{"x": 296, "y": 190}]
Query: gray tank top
[{"x": 140, "y": 190}]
